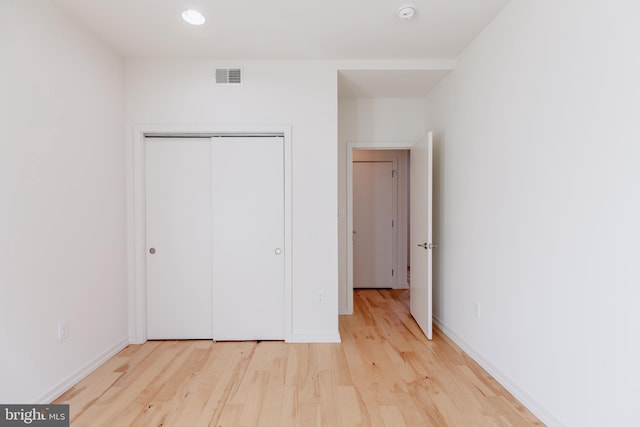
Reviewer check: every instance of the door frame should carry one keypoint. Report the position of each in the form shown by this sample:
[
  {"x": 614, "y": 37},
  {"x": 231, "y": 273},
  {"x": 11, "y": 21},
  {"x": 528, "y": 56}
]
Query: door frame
[
  {"x": 136, "y": 210},
  {"x": 361, "y": 145}
]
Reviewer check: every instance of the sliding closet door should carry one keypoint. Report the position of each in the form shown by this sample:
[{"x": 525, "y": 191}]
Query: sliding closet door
[
  {"x": 248, "y": 238},
  {"x": 178, "y": 197}
]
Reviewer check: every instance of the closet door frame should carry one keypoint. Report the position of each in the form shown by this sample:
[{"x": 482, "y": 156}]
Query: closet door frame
[{"x": 136, "y": 227}]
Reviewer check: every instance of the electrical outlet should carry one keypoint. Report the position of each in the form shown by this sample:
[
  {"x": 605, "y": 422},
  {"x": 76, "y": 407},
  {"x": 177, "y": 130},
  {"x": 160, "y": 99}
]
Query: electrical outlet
[
  {"x": 63, "y": 330},
  {"x": 476, "y": 310},
  {"x": 320, "y": 297}
]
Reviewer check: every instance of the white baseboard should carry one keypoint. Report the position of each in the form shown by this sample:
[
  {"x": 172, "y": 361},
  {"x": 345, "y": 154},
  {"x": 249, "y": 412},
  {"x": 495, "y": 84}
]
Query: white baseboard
[
  {"x": 524, "y": 398},
  {"x": 315, "y": 338},
  {"x": 134, "y": 339},
  {"x": 74, "y": 378}
]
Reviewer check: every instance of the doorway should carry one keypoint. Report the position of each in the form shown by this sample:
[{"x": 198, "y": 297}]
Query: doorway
[
  {"x": 396, "y": 155},
  {"x": 421, "y": 229},
  {"x": 380, "y": 241}
]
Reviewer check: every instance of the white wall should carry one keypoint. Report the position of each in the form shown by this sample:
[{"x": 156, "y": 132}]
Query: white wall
[
  {"x": 62, "y": 183},
  {"x": 370, "y": 120},
  {"x": 539, "y": 205},
  {"x": 300, "y": 94}
]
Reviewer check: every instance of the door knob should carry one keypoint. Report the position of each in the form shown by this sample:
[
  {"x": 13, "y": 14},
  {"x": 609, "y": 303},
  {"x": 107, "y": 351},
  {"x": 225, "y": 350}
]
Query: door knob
[
  {"x": 426, "y": 245},
  {"x": 152, "y": 251},
  {"x": 278, "y": 251}
]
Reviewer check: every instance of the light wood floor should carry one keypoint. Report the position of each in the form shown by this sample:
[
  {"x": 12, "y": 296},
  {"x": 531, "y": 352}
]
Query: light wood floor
[{"x": 385, "y": 373}]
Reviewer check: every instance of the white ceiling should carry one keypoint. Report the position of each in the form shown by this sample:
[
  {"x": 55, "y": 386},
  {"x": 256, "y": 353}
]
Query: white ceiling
[
  {"x": 388, "y": 83},
  {"x": 294, "y": 29}
]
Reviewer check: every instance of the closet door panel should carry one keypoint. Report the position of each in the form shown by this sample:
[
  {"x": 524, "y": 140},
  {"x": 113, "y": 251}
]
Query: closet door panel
[
  {"x": 248, "y": 238},
  {"x": 178, "y": 221}
]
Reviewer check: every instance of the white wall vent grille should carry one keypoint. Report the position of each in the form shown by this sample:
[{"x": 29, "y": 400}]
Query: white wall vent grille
[{"x": 228, "y": 76}]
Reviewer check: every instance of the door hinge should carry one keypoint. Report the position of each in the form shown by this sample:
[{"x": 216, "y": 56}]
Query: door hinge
[
  {"x": 392, "y": 224},
  {"x": 392, "y": 272},
  {"x": 393, "y": 173}
]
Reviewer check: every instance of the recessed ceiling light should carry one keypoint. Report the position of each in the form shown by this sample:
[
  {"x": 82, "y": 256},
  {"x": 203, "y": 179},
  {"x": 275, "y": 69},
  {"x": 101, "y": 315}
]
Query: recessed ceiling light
[
  {"x": 193, "y": 17},
  {"x": 406, "y": 11}
]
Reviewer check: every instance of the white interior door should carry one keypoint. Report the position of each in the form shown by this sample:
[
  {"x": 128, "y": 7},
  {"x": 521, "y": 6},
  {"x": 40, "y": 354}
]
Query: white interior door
[
  {"x": 178, "y": 204},
  {"x": 373, "y": 224},
  {"x": 421, "y": 234},
  {"x": 248, "y": 238}
]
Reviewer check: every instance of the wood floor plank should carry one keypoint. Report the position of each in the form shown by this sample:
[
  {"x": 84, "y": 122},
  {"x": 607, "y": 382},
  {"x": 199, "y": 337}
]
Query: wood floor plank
[
  {"x": 220, "y": 380},
  {"x": 410, "y": 412},
  {"x": 340, "y": 366},
  {"x": 118, "y": 402},
  {"x": 289, "y": 411},
  {"x": 384, "y": 373},
  {"x": 348, "y": 406},
  {"x": 392, "y": 416},
  {"x": 270, "y": 413},
  {"x": 254, "y": 399}
]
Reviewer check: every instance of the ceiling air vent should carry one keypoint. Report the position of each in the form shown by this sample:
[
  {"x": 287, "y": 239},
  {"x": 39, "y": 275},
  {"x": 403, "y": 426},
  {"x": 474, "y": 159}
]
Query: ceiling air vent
[{"x": 228, "y": 76}]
